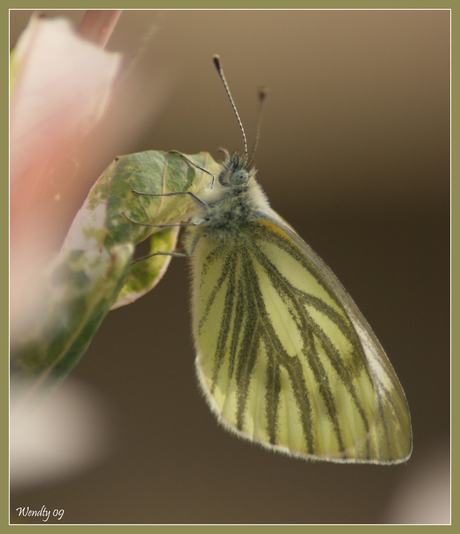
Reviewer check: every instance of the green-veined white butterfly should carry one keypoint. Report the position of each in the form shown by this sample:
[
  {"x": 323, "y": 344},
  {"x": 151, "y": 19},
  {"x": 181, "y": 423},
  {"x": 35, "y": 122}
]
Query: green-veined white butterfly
[{"x": 284, "y": 357}]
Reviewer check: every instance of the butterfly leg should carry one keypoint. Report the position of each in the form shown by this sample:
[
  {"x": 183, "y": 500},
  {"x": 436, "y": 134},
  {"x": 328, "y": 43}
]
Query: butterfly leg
[
  {"x": 160, "y": 253},
  {"x": 170, "y": 195},
  {"x": 183, "y": 223},
  {"x": 173, "y": 254},
  {"x": 183, "y": 156}
]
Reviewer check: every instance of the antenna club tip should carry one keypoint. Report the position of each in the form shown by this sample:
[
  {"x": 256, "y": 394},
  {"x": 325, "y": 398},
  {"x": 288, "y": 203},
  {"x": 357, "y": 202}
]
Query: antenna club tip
[
  {"x": 263, "y": 91},
  {"x": 216, "y": 59}
]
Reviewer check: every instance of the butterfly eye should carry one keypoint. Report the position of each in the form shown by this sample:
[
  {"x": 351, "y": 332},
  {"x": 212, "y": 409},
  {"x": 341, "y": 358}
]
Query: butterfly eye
[{"x": 239, "y": 177}]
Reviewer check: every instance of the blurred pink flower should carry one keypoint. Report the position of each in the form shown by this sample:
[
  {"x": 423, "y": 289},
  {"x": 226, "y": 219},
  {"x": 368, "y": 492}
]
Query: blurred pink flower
[{"x": 61, "y": 87}]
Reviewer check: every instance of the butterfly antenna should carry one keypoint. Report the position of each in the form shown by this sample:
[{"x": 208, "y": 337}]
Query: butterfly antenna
[
  {"x": 216, "y": 60},
  {"x": 262, "y": 94}
]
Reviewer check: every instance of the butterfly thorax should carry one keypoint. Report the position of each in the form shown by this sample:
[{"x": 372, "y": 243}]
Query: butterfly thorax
[{"x": 232, "y": 202}]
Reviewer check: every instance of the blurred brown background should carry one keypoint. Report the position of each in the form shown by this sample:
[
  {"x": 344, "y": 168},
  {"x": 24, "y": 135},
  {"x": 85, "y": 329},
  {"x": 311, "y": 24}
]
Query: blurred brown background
[{"x": 354, "y": 153}]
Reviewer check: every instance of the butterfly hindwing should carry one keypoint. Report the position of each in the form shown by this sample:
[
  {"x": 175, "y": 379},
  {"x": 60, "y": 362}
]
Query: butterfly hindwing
[{"x": 280, "y": 356}]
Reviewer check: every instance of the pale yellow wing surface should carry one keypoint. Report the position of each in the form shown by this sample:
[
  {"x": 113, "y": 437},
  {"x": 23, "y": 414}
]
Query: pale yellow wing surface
[{"x": 285, "y": 358}]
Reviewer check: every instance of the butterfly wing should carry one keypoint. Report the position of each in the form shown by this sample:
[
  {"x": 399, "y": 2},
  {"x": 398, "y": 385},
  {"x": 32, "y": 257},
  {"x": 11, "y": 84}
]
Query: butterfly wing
[{"x": 285, "y": 358}]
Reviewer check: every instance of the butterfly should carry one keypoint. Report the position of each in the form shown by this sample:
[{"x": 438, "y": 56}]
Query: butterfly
[{"x": 283, "y": 355}]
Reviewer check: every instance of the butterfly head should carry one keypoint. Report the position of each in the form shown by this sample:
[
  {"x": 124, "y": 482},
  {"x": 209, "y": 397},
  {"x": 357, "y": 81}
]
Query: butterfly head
[{"x": 236, "y": 172}]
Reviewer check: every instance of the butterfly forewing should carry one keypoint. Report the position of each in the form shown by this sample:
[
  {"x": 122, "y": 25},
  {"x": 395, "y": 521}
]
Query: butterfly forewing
[
  {"x": 279, "y": 357},
  {"x": 390, "y": 437}
]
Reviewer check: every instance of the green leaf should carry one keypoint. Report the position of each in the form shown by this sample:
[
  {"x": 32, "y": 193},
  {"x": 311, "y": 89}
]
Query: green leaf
[
  {"x": 144, "y": 275},
  {"x": 94, "y": 271},
  {"x": 77, "y": 292}
]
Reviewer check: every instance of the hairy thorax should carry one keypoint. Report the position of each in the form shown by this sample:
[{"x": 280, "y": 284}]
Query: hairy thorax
[{"x": 227, "y": 211}]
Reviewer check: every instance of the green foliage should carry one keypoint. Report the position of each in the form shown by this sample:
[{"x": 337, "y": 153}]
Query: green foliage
[{"x": 94, "y": 272}]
